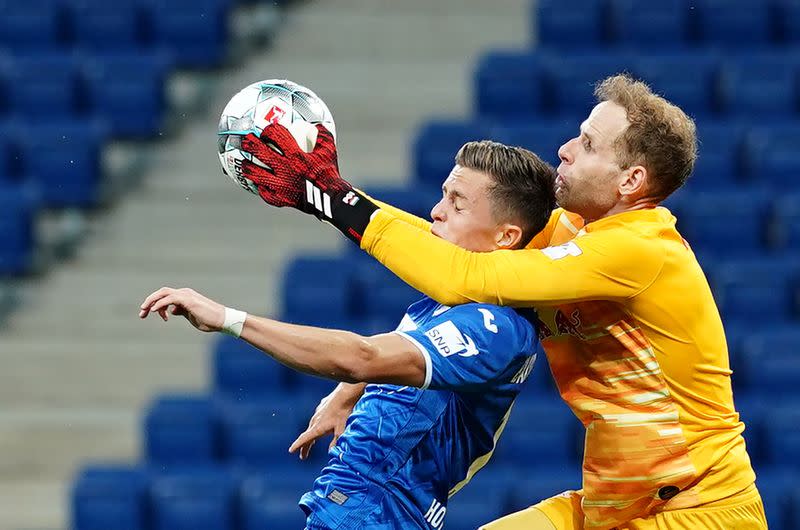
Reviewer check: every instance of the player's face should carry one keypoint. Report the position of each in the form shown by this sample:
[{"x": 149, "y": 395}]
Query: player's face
[
  {"x": 464, "y": 214},
  {"x": 589, "y": 174}
]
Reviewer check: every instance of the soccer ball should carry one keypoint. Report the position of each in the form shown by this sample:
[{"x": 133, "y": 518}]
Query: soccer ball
[{"x": 260, "y": 104}]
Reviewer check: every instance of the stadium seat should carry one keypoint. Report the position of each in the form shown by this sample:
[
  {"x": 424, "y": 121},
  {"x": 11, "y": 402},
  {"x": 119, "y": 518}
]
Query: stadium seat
[
  {"x": 571, "y": 24},
  {"x": 196, "y": 32},
  {"x": 751, "y": 407},
  {"x": 782, "y": 433},
  {"x": 317, "y": 291},
  {"x": 127, "y": 91},
  {"x": 776, "y": 486},
  {"x": 543, "y": 429},
  {"x": 758, "y": 290},
  {"x": 181, "y": 430},
  {"x": 412, "y": 200},
  {"x": 30, "y": 25},
  {"x": 64, "y": 160},
  {"x": 785, "y": 229},
  {"x": 382, "y": 294},
  {"x": 769, "y": 359},
  {"x": 268, "y": 500},
  {"x": 101, "y": 27},
  {"x": 654, "y": 25},
  {"x": 694, "y": 90},
  {"x": 18, "y": 207},
  {"x": 570, "y": 79},
  {"x": 719, "y": 164},
  {"x": 772, "y": 156},
  {"x": 543, "y": 479},
  {"x": 508, "y": 85},
  {"x": 482, "y": 499},
  {"x": 200, "y": 498},
  {"x": 436, "y": 145},
  {"x": 724, "y": 222},
  {"x": 43, "y": 85},
  {"x": 107, "y": 496},
  {"x": 241, "y": 370},
  {"x": 542, "y": 137},
  {"x": 259, "y": 431},
  {"x": 734, "y": 24},
  {"x": 788, "y": 16},
  {"x": 763, "y": 85}
]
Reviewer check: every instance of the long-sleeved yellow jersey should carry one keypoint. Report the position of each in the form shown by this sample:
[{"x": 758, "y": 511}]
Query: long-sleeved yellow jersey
[{"x": 633, "y": 338}]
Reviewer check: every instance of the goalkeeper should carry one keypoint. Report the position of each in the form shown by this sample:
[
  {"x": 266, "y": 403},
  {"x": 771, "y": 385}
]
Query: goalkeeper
[
  {"x": 632, "y": 334},
  {"x": 406, "y": 450}
]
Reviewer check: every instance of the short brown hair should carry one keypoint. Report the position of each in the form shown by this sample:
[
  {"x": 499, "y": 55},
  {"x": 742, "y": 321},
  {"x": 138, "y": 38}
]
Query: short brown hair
[
  {"x": 523, "y": 189},
  {"x": 661, "y": 137}
]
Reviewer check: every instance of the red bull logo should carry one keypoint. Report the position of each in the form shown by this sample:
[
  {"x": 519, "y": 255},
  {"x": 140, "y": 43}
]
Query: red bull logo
[
  {"x": 274, "y": 114},
  {"x": 544, "y": 331}
]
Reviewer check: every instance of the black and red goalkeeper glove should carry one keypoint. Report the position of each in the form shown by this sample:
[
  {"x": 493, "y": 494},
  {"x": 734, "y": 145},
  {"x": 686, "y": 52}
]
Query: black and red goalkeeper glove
[{"x": 309, "y": 182}]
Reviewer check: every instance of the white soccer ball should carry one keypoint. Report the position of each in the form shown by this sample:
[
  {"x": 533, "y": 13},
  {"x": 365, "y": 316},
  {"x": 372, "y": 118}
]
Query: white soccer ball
[{"x": 275, "y": 100}]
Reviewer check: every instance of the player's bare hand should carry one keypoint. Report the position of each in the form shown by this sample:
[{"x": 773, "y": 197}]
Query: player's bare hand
[
  {"x": 330, "y": 417},
  {"x": 201, "y": 312}
]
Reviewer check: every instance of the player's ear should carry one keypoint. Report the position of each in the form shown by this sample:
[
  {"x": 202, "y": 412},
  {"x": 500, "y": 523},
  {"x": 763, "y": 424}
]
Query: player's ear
[
  {"x": 508, "y": 236},
  {"x": 634, "y": 181}
]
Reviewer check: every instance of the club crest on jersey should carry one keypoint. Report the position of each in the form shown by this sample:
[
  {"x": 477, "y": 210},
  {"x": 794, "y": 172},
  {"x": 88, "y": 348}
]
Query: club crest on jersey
[
  {"x": 274, "y": 114},
  {"x": 448, "y": 340}
]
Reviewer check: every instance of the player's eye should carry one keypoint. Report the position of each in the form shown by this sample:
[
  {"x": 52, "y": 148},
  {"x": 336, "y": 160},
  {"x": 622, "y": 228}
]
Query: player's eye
[{"x": 587, "y": 145}]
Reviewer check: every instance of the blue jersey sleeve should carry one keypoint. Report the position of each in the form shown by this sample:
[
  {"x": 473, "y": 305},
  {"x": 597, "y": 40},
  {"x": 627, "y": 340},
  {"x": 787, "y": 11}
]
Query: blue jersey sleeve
[{"x": 473, "y": 345}]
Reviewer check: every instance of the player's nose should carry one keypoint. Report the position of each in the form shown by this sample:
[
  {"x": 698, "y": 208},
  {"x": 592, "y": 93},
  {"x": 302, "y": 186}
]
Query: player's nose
[{"x": 437, "y": 212}]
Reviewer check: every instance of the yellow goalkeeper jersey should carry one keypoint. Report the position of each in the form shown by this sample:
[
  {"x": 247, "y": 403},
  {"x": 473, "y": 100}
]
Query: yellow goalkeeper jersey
[{"x": 633, "y": 338}]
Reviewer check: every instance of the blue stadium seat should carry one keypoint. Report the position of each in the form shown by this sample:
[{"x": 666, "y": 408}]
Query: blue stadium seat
[
  {"x": 734, "y": 24},
  {"x": 259, "y": 431},
  {"x": 181, "y": 430},
  {"x": 782, "y": 433},
  {"x": 541, "y": 480},
  {"x": 43, "y": 85},
  {"x": 201, "y": 498},
  {"x": 542, "y": 137},
  {"x": 268, "y": 500},
  {"x": 719, "y": 164},
  {"x": 785, "y": 230},
  {"x": 570, "y": 80},
  {"x": 127, "y": 91},
  {"x": 776, "y": 486},
  {"x": 788, "y": 15},
  {"x": 382, "y": 294},
  {"x": 196, "y": 32},
  {"x": 694, "y": 90},
  {"x": 242, "y": 370},
  {"x": 758, "y": 290},
  {"x": 412, "y": 200},
  {"x": 482, "y": 499},
  {"x": 642, "y": 24},
  {"x": 110, "y": 496},
  {"x": 725, "y": 222},
  {"x": 761, "y": 84},
  {"x": 544, "y": 430},
  {"x": 751, "y": 407},
  {"x": 30, "y": 25},
  {"x": 18, "y": 206},
  {"x": 103, "y": 27},
  {"x": 317, "y": 291},
  {"x": 571, "y": 24},
  {"x": 508, "y": 85},
  {"x": 436, "y": 145},
  {"x": 773, "y": 157},
  {"x": 64, "y": 159},
  {"x": 769, "y": 359}
]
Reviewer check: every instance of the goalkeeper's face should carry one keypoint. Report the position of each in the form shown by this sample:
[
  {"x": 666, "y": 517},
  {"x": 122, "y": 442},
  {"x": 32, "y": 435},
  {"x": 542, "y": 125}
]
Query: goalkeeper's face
[{"x": 464, "y": 214}]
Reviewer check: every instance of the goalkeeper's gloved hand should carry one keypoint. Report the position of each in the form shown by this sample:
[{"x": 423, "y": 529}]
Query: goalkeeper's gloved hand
[{"x": 310, "y": 182}]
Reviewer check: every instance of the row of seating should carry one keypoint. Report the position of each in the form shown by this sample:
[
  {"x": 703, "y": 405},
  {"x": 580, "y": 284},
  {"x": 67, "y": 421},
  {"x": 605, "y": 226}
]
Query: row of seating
[
  {"x": 731, "y": 152},
  {"x": 197, "y": 29},
  {"x": 570, "y": 24},
  {"x": 127, "y": 90},
  {"x": 517, "y": 84}
]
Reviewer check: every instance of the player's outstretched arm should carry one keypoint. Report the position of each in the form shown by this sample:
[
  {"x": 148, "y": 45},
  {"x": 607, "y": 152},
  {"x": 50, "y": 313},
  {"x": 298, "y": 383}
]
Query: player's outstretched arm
[{"x": 333, "y": 354}]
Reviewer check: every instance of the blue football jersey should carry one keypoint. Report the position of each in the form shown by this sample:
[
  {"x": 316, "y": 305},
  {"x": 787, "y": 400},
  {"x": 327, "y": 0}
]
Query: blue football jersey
[{"x": 406, "y": 450}]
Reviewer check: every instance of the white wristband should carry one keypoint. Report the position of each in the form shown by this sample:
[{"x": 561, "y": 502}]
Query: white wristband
[{"x": 234, "y": 322}]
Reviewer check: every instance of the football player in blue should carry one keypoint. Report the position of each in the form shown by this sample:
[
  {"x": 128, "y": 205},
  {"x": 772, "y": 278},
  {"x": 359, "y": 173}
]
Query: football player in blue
[{"x": 441, "y": 385}]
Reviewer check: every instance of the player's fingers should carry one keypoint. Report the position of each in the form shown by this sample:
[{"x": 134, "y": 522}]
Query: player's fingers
[
  {"x": 306, "y": 450},
  {"x": 163, "y": 314},
  {"x": 163, "y": 303},
  {"x": 324, "y": 138},
  {"x": 309, "y": 435},
  {"x": 154, "y": 296}
]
